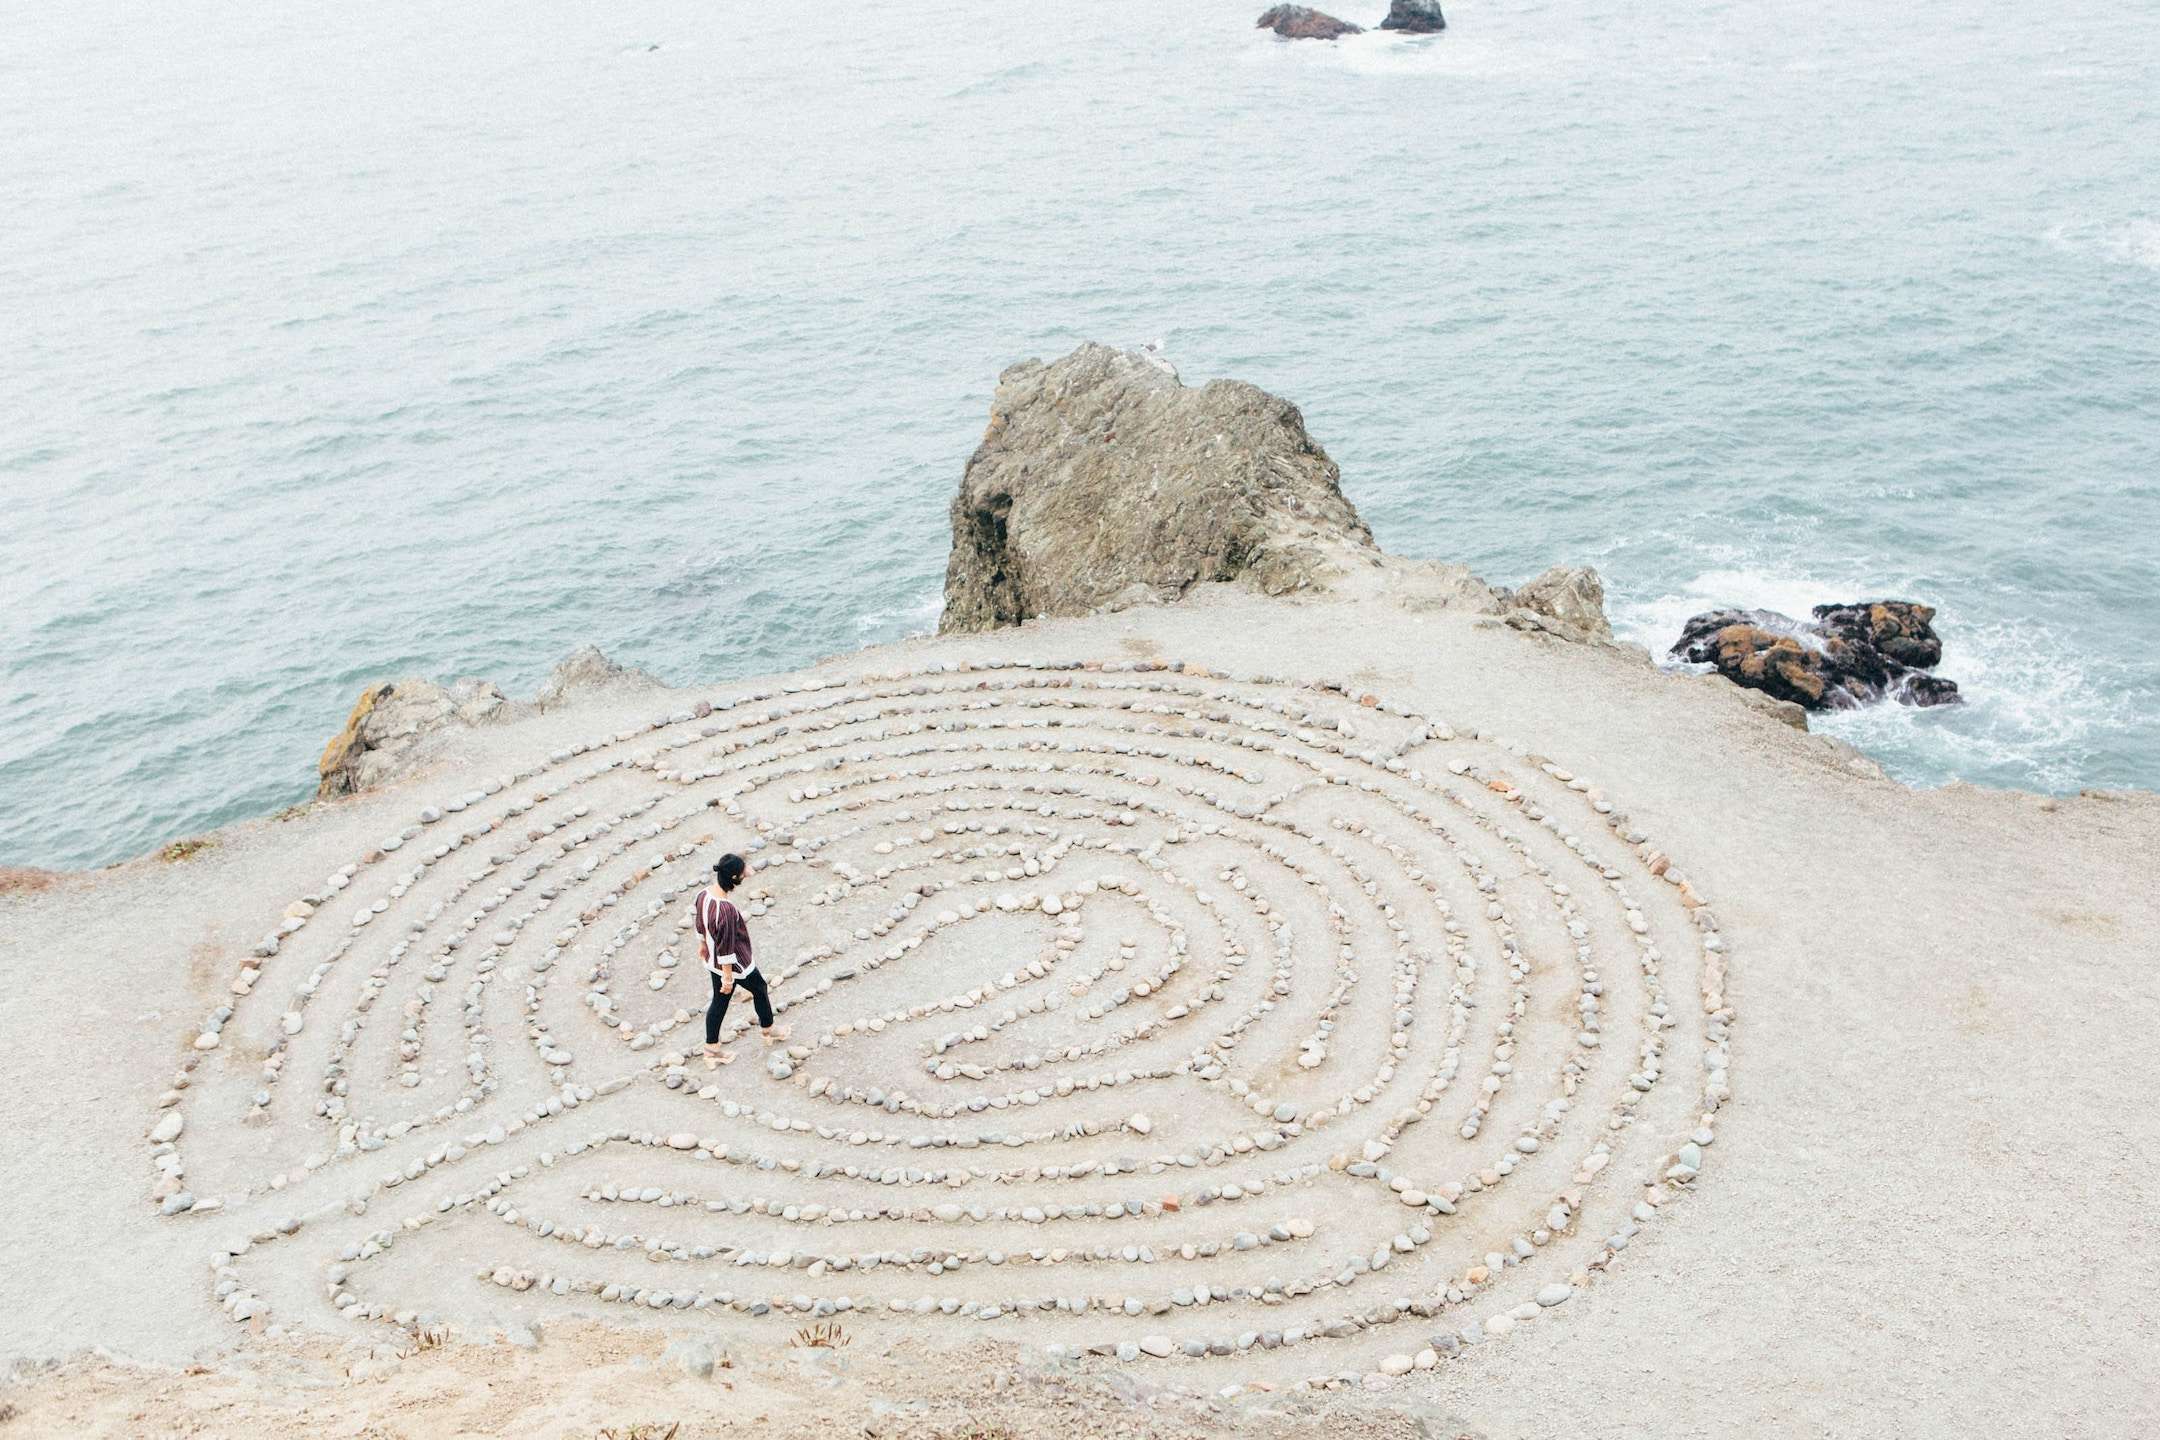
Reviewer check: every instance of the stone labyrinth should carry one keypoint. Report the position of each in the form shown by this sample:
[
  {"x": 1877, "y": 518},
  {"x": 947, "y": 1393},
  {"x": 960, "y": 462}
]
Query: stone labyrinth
[{"x": 1137, "y": 1011}]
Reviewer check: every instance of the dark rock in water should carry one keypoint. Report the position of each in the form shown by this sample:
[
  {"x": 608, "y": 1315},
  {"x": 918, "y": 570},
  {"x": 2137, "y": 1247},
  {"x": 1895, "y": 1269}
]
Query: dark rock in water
[
  {"x": 1903, "y": 631},
  {"x": 1846, "y": 657},
  {"x": 1301, "y": 22},
  {"x": 1415, "y": 17}
]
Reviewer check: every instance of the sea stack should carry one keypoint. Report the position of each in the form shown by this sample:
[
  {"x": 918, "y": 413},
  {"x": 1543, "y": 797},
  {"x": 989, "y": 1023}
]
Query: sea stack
[
  {"x": 1415, "y": 17},
  {"x": 1103, "y": 481},
  {"x": 1302, "y": 22}
]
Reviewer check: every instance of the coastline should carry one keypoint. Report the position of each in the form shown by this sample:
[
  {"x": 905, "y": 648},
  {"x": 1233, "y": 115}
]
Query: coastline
[
  {"x": 1900, "y": 949},
  {"x": 1714, "y": 690}
]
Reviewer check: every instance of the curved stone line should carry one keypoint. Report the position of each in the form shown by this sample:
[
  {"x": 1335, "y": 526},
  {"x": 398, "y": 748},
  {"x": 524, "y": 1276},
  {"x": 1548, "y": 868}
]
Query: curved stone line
[{"x": 1289, "y": 728}]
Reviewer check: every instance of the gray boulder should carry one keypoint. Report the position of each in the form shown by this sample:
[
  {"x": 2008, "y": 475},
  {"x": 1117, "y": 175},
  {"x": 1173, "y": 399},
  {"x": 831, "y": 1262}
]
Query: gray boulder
[
  {"x": 695, "y": 1358},
  {"x": 1104, "y": 481},
  {"x": 587, "y": 668},
  {"x": 398, "y": 725},
  {"x": 393, "y": 722},
  {"x": 1415, "y": 17},
  {"x": 1568, "y": 600}
]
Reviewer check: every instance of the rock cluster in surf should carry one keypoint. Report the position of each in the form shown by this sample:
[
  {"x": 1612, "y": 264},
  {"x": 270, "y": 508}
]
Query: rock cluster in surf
[
  {"x": 1846, "y": 656},
  {"x": 1302, "y": 22}
]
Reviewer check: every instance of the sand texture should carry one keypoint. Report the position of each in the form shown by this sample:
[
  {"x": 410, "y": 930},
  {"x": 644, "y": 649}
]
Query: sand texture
[{"x": 1345, "y": 1013}]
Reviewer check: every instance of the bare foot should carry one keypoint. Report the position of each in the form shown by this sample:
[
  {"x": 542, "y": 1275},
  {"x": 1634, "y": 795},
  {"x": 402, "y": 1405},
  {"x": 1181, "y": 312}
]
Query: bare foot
[
  {"x": 775, "y": 1033},
  {"x": 715, "y": 1057}
]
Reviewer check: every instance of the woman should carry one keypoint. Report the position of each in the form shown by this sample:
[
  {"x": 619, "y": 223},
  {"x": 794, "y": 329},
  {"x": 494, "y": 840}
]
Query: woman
[{"x": 724, "y": 946}]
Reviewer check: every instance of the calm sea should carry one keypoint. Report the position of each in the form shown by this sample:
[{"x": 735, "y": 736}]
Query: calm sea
[{"x": 346, "y": 341}]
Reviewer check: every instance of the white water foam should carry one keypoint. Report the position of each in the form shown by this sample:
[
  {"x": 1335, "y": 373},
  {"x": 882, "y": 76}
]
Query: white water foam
[
  {"x": 916, "y": 617},
  {"x": 2036, "y": 707},
  {"x": 1655, "y": 622},
  {"x": 2135, "y": 241}
]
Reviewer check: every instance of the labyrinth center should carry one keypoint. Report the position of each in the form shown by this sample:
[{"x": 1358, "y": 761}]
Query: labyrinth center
[{"x": 1136, "y": 1010}]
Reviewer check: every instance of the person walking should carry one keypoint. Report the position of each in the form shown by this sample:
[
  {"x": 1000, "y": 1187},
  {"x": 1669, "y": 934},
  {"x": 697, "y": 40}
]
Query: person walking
[{"x": 724, "y": 946}]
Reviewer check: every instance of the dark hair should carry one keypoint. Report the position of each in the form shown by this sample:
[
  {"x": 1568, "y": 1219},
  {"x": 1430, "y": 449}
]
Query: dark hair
[{"x": 729, "y": 871}]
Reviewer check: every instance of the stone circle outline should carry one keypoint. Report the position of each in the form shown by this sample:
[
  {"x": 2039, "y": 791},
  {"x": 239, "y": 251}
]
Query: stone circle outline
[{"x": 1097, "y": 778}]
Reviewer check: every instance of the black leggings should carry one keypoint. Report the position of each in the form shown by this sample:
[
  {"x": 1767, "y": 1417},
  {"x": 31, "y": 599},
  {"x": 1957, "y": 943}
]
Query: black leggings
[{"x": 716, "y": 1012}]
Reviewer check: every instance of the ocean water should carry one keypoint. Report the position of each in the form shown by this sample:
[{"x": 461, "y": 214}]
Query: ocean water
[{"x": 340, "y": 342}]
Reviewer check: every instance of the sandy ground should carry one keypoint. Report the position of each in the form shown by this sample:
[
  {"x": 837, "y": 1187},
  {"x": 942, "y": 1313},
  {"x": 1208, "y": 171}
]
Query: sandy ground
[
  {"x": 1929, "y": 1210},
  {"x": 912, "y": 1393}
]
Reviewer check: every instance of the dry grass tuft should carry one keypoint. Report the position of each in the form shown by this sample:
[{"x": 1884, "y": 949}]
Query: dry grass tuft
[
  {"x": 187, "y": 849},
  {"x": 826, "y": 1335},
  {"x": 643, "y": 1430}
]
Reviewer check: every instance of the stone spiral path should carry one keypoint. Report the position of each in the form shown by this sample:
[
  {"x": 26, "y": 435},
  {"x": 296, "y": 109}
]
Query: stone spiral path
[{"x": 1136, "y": 1011}]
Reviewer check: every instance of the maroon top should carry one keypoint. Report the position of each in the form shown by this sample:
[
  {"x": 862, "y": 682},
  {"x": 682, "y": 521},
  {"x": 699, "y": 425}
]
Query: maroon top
[{"x": 720, "y": 925}]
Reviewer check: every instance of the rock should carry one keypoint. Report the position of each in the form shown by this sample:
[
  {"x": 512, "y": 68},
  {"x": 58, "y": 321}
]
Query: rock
[
  {"x": 1555, "y": 1294},
  {"x": 1571, "y": 596},
  {"x": 177, "y": 1203},
  {"x": 586, "y": 668},
  {"x": 1845, "y": 657},
  {"x": 167, "y": 1129},
  {"x": 1415, "y": 17},
  {"x": 1102, "y": 479},
  {"x": 1902, "y": 630},
  {"x": 694, "y": 1357},
  {"x": 1301, "y": 22},
  {"x": 394, "y": 723},
  {"x": 1139, "y": 1124},
  {"x": 1396, "y": 1365},
  {"x": 1157, "y": 1345}
]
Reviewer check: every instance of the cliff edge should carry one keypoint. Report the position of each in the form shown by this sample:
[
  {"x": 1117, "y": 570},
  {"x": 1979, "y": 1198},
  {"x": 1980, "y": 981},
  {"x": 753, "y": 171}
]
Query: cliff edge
[{"x": 397, "y": 725}]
